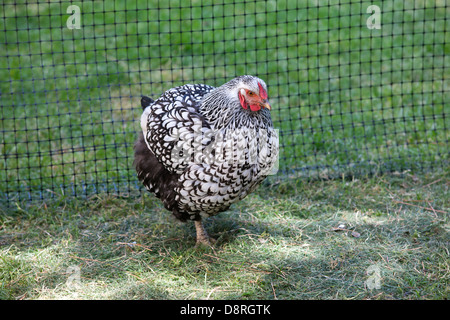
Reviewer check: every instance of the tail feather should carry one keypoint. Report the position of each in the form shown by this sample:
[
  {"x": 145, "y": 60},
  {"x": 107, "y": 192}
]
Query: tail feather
[
  {"x": 146, "y": 101},
  {"x": 156, "y": 178}
]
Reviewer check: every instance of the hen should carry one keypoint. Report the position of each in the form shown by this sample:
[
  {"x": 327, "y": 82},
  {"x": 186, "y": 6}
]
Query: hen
[{"x": 203, "y": 148}]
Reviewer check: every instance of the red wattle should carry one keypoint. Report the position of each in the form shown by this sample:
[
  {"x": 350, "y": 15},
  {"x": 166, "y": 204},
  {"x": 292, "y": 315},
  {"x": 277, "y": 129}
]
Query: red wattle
[{"x": 255, "y": 107}]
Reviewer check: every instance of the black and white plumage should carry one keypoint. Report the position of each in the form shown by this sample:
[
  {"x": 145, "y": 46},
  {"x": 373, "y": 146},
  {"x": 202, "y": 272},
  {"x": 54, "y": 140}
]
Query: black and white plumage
[{"x": 204, "y": 148}]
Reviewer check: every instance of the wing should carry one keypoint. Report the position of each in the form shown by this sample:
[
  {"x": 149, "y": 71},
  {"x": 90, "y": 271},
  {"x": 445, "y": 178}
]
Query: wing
[{"x": 173, "y": 128}]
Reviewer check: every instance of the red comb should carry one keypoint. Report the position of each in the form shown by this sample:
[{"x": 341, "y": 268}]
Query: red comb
[{"x": 262, "y": 91}]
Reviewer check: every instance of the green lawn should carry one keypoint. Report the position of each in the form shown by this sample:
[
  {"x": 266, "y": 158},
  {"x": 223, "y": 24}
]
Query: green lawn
[
  {"x": 363, "y": 119},
  {"x": 279, "y": 243}
]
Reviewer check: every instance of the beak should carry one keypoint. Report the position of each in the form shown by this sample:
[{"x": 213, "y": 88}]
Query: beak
[{"x": 266, "y": 104}]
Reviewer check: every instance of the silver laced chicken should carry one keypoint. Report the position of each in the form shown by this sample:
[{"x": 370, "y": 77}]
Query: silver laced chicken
[{"x": 204, "y": 148}]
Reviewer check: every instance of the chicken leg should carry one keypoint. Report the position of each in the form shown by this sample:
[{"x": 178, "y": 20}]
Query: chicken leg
[{"x": 202, "y": 236}]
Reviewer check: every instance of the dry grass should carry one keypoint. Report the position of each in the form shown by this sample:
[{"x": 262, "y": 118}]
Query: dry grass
[{"x": 280, "y": 243}]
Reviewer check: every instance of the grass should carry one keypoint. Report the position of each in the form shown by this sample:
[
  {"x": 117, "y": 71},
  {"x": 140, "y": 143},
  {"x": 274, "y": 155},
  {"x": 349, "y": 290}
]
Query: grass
[
  {"x": 347, "y": 100},
  {"x": 279, "y": 243},
  {"x": 343, "y": 96}
]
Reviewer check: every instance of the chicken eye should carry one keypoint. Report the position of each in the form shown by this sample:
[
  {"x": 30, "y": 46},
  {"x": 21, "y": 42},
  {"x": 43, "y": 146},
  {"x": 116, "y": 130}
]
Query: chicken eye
[{"x": 251, "y": 93}]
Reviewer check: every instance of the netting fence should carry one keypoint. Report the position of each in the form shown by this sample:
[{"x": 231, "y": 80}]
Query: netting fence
[{"x": 356, "y": 86}]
